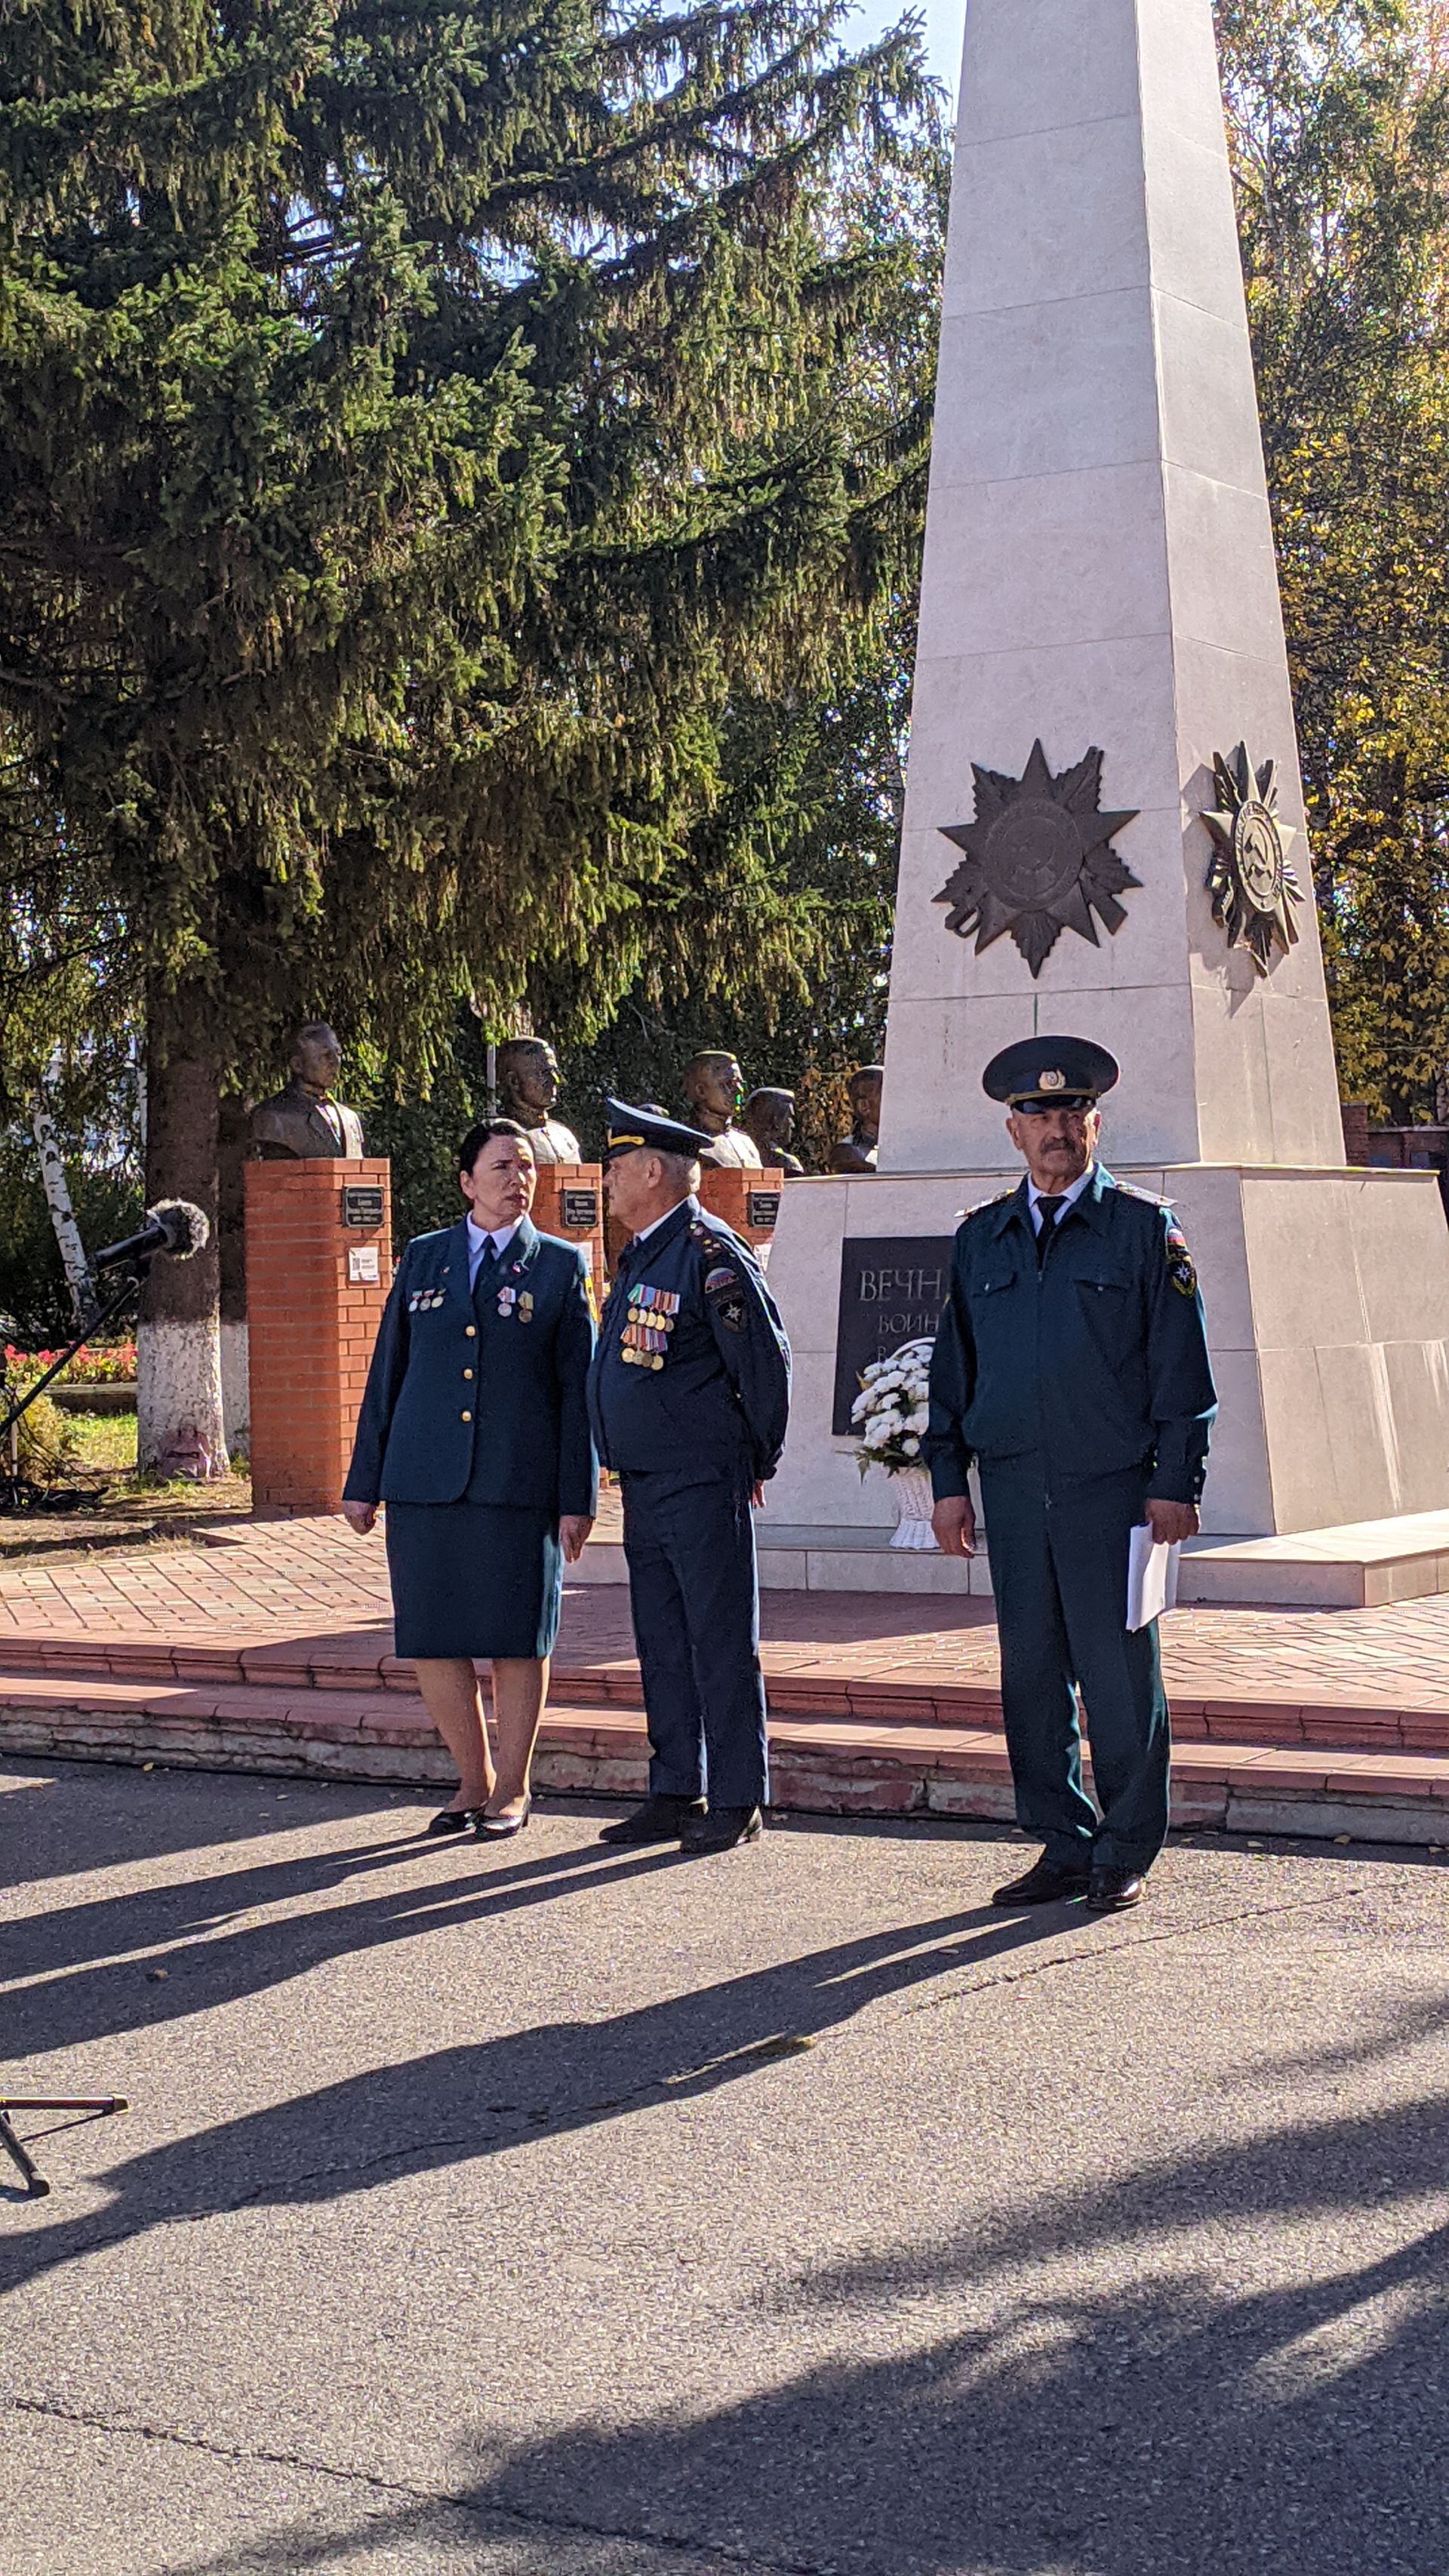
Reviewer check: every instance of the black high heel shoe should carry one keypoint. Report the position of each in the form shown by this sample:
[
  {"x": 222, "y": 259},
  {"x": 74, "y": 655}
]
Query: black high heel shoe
[
  {"x": 450, "y": 1820},
  {"x": 501, "y": 1829}
]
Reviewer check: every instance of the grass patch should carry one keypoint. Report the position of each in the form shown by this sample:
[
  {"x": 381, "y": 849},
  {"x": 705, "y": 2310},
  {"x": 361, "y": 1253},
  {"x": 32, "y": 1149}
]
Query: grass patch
[{"x": 105, "y": 1440}]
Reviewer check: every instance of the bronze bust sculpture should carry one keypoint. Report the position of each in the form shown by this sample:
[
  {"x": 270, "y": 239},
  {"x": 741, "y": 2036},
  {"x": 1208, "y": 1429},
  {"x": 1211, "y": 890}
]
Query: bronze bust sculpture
[
  {"x": 712, "y": 1090},
  {"x": 856, "y": 1152},
  {"x": 527, "y": 1089},
  {"x": 770, "y": 1119},
  {"x": 304, "y": 1123}
]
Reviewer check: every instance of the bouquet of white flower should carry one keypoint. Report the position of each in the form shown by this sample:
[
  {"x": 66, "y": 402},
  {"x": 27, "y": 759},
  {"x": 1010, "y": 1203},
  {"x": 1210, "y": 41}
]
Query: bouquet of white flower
[{"x": 892, "y": 1409}]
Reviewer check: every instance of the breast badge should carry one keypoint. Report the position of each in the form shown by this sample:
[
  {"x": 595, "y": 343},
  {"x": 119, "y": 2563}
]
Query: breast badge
[{"x": 648, "y": 1322}]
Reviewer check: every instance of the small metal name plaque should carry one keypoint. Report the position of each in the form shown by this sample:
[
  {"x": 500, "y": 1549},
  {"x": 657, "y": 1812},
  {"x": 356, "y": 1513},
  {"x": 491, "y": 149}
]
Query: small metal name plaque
[
  {"x": 579, "y": 1210},
  {"x": 362, "y": 1204},
  {"x": 763, "y": 1207},
  {"x": 892, "y": 1290}
]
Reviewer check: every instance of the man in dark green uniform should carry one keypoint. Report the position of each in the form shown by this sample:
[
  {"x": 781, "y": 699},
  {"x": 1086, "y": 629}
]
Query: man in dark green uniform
[{"x": 1071, "y": 1366}]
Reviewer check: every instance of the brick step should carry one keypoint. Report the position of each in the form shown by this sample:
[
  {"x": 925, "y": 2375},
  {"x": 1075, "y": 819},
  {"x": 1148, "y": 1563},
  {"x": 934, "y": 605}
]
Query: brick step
[
  {"x": 823, "y": 1764},
  {"x": 349, "y": 1664}
]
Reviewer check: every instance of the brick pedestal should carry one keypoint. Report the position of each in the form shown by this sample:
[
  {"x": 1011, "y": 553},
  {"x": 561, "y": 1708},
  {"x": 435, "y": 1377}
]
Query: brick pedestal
[
  {"x": 313, "y": 1324},
  {"x": 749, "y": 1201},
  {"x": 569, "y": 1201}
]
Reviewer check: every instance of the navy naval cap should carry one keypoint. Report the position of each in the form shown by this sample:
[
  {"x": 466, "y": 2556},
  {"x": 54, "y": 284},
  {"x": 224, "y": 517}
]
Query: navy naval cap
[
  {"x": 1050, "y": 1073},
  {"x": 630, "y": 1128}
]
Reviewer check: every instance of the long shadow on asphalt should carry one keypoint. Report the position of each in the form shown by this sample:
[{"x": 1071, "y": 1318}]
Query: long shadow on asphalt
[
  {"x": 456, "y": 1882},
  {"x": 469, "y": 2101},
  {"x": 1027, "y": 2419},
  {"x": 55, "y": 1825}
]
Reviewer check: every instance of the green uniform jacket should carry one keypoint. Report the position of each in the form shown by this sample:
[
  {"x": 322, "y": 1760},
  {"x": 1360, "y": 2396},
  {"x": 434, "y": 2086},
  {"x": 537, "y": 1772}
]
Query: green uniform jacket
[
  {"x": 1095, "y": 1360},
  {"x": 487, "y": 1403}
]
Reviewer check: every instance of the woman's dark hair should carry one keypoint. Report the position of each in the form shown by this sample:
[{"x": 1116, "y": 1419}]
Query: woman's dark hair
[{"x": 477, "y": 1137}]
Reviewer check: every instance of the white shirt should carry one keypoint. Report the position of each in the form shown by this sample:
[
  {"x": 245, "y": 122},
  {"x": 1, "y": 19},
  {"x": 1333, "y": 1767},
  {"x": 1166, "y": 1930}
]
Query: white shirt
[
  {"x": 1061, "y": 1200},
  {"x": 478, "y": 1243},
  {"x": 645, "y": 1231}
]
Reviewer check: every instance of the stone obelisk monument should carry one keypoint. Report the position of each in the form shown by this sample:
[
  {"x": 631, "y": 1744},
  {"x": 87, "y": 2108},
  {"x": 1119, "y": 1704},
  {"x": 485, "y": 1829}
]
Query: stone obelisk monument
[{"x": 1104, "y": 822}]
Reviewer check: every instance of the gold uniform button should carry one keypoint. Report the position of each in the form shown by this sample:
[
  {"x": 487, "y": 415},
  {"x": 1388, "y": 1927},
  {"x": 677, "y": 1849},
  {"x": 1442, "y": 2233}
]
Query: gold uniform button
[
  {"x": 465, "y": 1417},
  {"x": 467, "y": 1372},
  {"x": 471, "y": 1330}
]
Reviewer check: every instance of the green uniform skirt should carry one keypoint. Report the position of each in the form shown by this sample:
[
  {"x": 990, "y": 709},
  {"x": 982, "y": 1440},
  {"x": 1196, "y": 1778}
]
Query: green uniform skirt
[{"x": 473, "y": 1579}]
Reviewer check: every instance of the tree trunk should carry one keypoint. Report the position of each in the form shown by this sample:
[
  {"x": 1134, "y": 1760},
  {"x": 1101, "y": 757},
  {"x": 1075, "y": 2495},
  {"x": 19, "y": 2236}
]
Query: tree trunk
[
  {"x": 231, "y": 1253},
  {"x": 178, "y": 1359},
  {"x": 62, "y": 1214}
]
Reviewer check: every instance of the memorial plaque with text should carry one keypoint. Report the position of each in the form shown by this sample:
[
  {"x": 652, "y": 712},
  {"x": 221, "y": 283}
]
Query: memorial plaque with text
[
  {"x": 362, "y": 1204},
  {"x": 579, "y": 1210},
  {"x": 892, "y": 1290}
]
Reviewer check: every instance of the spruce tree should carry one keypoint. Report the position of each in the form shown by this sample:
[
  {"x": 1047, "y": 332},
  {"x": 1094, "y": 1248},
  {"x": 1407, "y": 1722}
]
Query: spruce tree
[{"x": 422, "y": 422}]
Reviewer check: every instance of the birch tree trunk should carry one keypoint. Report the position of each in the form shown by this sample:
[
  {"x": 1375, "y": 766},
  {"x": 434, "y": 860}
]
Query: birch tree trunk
[
  {"x": 62, "y": 1215},
  {"x": 178, "y": 1343}
]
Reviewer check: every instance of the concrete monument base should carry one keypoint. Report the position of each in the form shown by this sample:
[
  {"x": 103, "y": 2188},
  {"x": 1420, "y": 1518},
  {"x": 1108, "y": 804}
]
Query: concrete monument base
[{"x": 1327, "y": 1296}]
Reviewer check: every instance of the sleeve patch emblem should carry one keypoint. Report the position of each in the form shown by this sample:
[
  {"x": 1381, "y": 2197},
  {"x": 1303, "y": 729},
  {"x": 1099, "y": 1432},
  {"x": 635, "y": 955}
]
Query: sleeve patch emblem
[{"x": 1180, "y": 1269}]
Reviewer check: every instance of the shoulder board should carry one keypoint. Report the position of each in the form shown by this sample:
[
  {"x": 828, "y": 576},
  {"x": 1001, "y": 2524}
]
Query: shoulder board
[
  {"x": 964, "y": 1215},
  {"x": 1149, "y": 1198},
  {"x": 707, "y": 1239}
]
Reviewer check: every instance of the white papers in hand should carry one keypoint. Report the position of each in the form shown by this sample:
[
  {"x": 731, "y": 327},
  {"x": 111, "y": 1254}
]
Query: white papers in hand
[{"x": 1152, "y": 1568}]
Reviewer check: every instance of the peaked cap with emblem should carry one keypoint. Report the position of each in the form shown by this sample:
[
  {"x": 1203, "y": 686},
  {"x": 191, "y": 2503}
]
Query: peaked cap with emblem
[
  {"x": 1050, "y": 1073},
  {"x": 628, "y": 1129}
]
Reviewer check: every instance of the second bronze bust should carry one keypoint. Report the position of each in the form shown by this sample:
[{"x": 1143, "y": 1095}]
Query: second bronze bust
[
  {"x": 713, "y": 1089},
  {"x": 528, "y": 1080},
  {"x": 304, "y": 1123}
]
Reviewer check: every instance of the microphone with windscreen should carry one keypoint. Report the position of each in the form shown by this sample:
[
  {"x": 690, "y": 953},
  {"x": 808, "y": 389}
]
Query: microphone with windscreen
[{"x": 172, "y": 1225}]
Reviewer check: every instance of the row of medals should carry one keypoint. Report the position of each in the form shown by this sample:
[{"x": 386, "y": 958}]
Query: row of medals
[
  {"x": 424, "y": 1300},
  {"x": 648, "y": 1323}
]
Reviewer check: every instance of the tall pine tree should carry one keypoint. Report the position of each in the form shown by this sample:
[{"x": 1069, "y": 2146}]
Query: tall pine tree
[{"x": 423, "y": 424}]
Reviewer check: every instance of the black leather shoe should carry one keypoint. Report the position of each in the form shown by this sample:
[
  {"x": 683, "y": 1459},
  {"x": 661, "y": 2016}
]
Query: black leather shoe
[
  {"x": 450, "y": 1820},
  {"x": 721, "y": 1830},
  {"x": 659, "y": 1820},
  {"x": 1112, "y": 1890},
  {"x": 501, "y": 1829},
  {"x": 1047, "y": 1882}
]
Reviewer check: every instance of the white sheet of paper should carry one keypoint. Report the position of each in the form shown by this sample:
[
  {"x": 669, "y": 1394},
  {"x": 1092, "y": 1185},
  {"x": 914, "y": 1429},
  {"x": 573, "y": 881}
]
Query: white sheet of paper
[{"x": 1152, "y": 1569}]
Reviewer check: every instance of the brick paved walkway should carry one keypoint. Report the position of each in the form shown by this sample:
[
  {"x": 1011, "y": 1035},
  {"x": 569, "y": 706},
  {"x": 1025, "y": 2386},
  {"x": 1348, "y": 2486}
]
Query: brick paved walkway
[
  {"x": 270, "y": 1648},
  {"x": 284, "y": 1589}
]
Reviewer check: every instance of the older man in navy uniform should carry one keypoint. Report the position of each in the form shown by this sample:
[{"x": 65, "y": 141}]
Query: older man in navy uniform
[
  {"x": 1071, "y": 1365},
  {"x": 688, "y": 1395}
]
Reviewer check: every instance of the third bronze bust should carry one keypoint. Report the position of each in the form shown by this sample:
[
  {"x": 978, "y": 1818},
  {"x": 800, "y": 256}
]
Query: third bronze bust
[
  {"x": 856, "y": 1152},
  {"x": 712, "y": 1089},
  {"x": 304, "y": 1123},
  {"x": 770, "y": 1120},
  {"x": 527, "y": 1089}
]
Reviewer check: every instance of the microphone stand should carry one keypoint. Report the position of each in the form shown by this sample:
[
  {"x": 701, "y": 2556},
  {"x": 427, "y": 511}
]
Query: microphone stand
[{"x": 99, "y": 2105}]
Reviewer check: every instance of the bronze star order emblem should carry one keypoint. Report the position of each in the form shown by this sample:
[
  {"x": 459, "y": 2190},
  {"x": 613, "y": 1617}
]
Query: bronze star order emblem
[
  {"x": 1037, "y": 859},
  {"x": 1250, "y": 882}
]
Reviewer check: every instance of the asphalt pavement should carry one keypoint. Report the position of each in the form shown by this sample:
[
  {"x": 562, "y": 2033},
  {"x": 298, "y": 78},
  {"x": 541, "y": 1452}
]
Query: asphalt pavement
[{"x": 546, "y": 2210}]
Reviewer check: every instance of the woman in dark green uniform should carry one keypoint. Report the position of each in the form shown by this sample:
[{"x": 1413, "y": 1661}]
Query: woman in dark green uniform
[{"x": 474, "y": 1431}]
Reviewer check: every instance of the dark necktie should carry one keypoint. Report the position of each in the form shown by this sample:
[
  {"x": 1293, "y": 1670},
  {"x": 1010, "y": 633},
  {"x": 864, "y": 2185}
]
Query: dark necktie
[{"x": 1049, "y": 1210}]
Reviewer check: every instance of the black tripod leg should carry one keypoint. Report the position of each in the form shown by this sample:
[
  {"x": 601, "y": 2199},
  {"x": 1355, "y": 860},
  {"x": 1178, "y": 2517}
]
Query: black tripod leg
[{"x": 35, "y": 2183}]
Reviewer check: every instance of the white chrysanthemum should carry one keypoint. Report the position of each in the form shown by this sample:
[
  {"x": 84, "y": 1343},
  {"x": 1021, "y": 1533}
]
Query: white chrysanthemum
[
  {"x": 882, "y": 1431},
  {"x": 918, "y": 1420},
  {"x": 911, "y": 1446}
]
